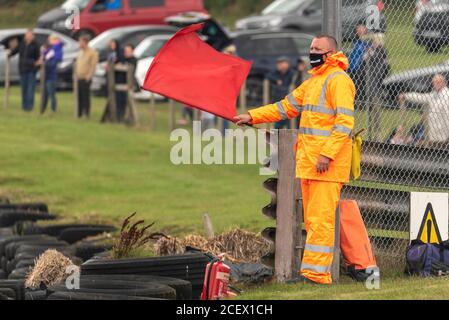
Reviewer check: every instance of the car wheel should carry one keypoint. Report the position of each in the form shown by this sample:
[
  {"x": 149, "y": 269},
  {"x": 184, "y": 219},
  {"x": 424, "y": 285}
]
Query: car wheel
[{"x": 433, "y": 46}]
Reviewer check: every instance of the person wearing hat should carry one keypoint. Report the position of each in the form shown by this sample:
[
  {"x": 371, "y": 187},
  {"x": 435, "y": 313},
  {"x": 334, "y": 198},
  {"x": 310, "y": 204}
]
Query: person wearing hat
[{"x": 280, "y": 82}]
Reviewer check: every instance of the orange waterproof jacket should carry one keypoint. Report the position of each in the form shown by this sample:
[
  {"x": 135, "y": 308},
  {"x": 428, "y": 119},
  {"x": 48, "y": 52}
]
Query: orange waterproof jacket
[{"x": 326, "y": 105}]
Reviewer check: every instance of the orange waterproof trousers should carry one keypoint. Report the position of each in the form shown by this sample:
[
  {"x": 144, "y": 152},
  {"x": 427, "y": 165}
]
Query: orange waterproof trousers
[{"x": 320, "y": 201}]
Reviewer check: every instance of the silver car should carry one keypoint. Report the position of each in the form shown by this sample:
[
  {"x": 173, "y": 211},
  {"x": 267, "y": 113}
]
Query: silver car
[{"x": 70, "y": 49}]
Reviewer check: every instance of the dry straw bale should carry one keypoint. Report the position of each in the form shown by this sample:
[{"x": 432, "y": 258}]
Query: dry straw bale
[
  {"x": 50, "y": 269},
  {"x": 239, "y": 246}
]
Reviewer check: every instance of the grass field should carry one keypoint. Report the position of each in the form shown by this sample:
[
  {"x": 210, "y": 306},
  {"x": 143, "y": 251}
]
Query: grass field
[
  {"x": 86, "y": 171},
  {"x": 81, "y": 167},
  {"x": 102, "y": 173}
]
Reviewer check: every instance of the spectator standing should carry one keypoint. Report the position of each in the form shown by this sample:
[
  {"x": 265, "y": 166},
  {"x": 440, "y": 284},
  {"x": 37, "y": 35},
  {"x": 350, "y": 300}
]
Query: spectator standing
[
  {"x": 86, "y": 63},
  {"x": 356, "y": 63},
  {"x": 122, "y": 78},
  {"x": 436, "y": 113},
  {"x": 52, "y": 55},
  {"x": 377, "y": 69},
  {"x": 280, "y": 82},
  {"x": 29, "y": 56}
]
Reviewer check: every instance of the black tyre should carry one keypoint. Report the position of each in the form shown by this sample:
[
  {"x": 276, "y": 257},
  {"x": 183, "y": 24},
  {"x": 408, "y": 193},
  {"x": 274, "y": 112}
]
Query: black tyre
[
  {"x": 40, "y": 207},
  {"x": 7, "y": 292},
  {"x": 183, "y": 288},
  {"x": 38, "y": 250},
  {"x": 86, "y": 250},
  {"x": 17, "y": 285},
  {"x": 2, "y": 275},
  {"x": 36, "y": 295},
  {"x": 24, "y": 264},
  {"x": 93, "y": 296},
  {"x": 9, "y": 218},
  {"x": 11, "y": 248},
  {"x": 190, "y": 267},
  {"x": 72, "y": 235},
  {"x": 57, "y": 229},
  {"x": 20, "y": 273},
  {"x": 5, "y": 241},
  {"x": 127, "y": 288}
]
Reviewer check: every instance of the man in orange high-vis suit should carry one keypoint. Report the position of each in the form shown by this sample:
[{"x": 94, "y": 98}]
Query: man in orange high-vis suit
[{"x": 325, "y": 103}]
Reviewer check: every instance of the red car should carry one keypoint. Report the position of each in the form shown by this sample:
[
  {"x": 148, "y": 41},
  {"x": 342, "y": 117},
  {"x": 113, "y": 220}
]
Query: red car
[{"x": 97, "y": 16}]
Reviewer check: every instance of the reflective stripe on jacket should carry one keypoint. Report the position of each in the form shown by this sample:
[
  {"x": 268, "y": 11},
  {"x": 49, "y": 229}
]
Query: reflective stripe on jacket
[{"x": 326, "y": 105}]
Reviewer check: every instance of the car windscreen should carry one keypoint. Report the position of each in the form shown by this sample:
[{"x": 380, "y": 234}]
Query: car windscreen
[
  {"x": 70, "y": 4},
  {"x": 149, "y": 48},
  {"x": 275, "y": 46},
  {"x": 280, "y": 7},
  {"x": 101, "y": 42}
]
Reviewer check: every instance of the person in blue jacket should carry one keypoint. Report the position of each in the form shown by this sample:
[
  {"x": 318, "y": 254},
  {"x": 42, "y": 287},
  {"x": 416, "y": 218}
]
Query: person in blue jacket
[
  {"x": 52, "y": 55},
  {"x": 357, "y": 63}
]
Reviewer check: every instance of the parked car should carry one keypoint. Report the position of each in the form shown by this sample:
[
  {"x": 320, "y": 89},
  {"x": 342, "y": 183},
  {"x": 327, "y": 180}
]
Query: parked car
[
  {"x": 70, "y": 49},
  {"x": 95, "y": 17},
  {"x": 415, "y": 80},
  {"x": 212, "y": 33},
  {"x": 431, "y": 27},
  {"x": 127, "y": 35},
  {"x": 306, "y": 15},
  {"x": 263, "y": 47}
]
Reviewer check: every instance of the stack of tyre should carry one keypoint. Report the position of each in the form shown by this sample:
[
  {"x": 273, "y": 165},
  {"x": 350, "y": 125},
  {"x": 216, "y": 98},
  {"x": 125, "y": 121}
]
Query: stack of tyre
[
  {"x": 188, "y": 267},
  {"x": 22, "y": 241}
]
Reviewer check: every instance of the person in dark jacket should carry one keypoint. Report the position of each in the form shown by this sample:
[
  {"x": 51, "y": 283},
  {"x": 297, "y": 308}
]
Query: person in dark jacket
[
  {"x": 52, "y": 55},
  {"x": 29, "y": 55},
  {"x": 377, "y": 69},
  {"x": 121, "y": 78},
  {"x": 280, "y": 82}
]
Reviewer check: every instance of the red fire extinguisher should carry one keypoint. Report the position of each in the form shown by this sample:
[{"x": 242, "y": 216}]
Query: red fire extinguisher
[{"x": 216, "y": 280}]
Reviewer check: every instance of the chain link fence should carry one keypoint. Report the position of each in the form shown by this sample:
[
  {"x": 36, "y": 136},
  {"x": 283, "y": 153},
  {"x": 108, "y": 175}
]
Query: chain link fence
[{"x": 400, "y": 66}]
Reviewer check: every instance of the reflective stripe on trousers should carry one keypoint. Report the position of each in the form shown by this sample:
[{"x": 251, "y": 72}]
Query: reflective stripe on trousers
[{"x": 320, "y": 202}]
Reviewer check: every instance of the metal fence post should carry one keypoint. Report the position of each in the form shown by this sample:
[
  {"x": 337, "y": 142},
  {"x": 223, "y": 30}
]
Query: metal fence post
[{"x": 332, "y": 25}]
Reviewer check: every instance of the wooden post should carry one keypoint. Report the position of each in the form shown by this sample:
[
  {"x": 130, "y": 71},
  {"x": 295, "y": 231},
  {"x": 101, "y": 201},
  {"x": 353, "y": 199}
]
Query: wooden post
[
  {"x": 287, "y": 214},
  {"x": 42, "y": 87},
  {"x": 153, "y": 112},
  {"x": 243, "y": 103},
  {"x": 75, "y": 91},
  {"x": 111, "y": 112},
  {"x": 208, "y": 227},
  {"x": 134, "y": 116}
]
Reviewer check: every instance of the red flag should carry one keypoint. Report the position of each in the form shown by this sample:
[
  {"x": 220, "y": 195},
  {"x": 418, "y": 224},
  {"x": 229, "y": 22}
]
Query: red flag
[{"x": 190, "y": 71}]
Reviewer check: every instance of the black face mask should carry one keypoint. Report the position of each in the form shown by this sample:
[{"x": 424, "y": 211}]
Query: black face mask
[{"x": 317, "y": 59}]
